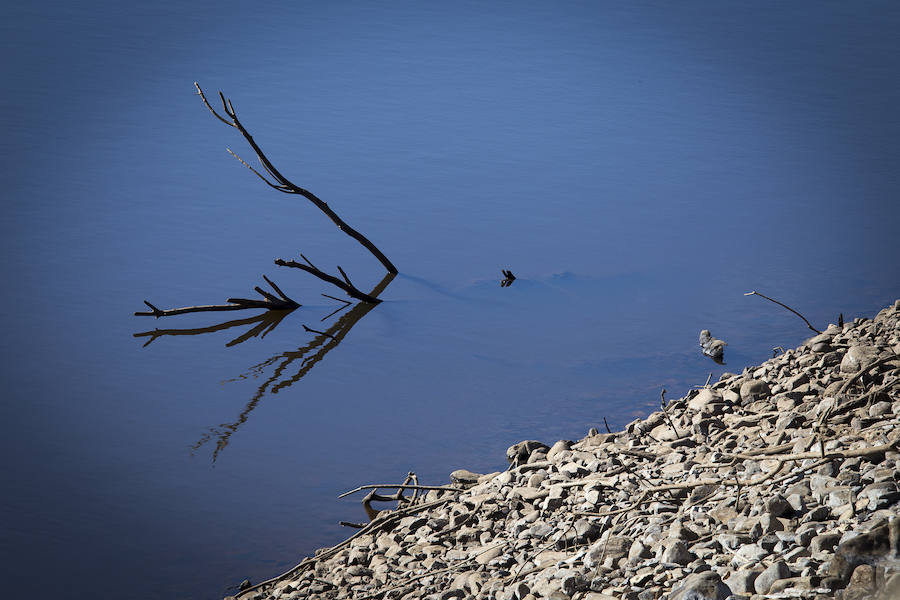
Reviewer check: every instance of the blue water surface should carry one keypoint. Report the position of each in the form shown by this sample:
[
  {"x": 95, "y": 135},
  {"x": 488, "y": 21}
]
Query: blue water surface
[{"x": 639, "y": 166}]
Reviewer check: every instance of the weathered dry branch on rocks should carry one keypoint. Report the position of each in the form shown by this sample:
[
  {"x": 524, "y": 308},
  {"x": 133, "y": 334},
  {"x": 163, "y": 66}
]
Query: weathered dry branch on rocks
[
  {"x": 401, "y": 486},
  {"x": 808, "y": 324},
  {"x": 849, "y": 405}
]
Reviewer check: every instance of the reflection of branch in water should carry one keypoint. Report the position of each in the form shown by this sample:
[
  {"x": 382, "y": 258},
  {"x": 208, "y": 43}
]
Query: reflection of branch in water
[
  {"x": 309, "y": 355},
  {"x": 266, "y": 322}
]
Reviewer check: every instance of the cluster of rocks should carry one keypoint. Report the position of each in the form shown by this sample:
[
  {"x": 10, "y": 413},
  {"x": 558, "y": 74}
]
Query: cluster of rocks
[{"x": 779, "y": 482}]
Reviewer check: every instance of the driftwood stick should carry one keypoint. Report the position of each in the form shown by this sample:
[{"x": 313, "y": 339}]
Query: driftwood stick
[
  {"x": 445, "y": 488},
  {"x": 808, "y": 324},
  {"x": 850, "y": 405},
  {"x": 869, "y": 451},
  {"x": 282, "y": 184},
  {"x": 270, "y": 302},
  {"x": 662, "y": 403}
]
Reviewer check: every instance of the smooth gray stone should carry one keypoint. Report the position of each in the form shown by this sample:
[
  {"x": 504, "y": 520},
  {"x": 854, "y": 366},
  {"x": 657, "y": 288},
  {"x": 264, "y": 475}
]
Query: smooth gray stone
[
  {"x": 701, "y": 586},
  {"x": 777, "y": 570},
  {"x": 753, "y": 390},
  {"x": 741, "y": 581}
]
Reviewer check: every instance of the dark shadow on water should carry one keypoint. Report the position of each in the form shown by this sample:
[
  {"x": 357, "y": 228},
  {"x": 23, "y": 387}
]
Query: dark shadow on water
[
  {"x": 264, "y": 324},
  {"x": 283, "y": 375}
]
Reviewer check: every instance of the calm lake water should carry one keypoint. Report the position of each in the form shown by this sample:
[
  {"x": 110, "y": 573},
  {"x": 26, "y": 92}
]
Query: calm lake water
[{"x": 639, "y": 167}]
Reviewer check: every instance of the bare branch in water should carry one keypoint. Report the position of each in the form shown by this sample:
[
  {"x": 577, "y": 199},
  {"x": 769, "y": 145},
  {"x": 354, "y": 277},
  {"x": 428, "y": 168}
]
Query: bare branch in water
[
  {"x": 269, "y": 302},
  {"x": 808, "y": 324},
  {"x": 282, "y": 183}
]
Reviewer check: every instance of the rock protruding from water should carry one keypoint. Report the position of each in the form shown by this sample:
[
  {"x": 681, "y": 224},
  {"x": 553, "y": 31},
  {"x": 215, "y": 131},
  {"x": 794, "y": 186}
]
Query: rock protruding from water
[{"x": 712, "y": 347}]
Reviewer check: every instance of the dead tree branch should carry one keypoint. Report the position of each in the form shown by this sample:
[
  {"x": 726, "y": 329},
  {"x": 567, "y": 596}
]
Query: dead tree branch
[
  {"x": 345, "y": 285},
  {"x": 808, "y": 324},
  {"x": 444, "y": 488},
  {"x": 283, "y": 184},
  {"x": 269, "y": 302}
]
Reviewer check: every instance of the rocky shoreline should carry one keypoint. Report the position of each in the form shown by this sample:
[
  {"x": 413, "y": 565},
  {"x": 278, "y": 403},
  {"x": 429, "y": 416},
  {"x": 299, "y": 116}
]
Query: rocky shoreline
[{"x": 779, "y": 482}]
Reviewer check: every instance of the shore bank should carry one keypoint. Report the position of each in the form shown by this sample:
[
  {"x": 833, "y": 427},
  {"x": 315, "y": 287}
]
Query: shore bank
[{"x": 779, "y": 482}]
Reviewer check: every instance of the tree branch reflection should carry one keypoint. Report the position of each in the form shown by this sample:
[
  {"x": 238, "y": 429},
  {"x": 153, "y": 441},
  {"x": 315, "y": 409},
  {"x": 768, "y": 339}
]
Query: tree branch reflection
[
  {"x": 283, "y": 375},
  {"x": 265, "y": 323}
]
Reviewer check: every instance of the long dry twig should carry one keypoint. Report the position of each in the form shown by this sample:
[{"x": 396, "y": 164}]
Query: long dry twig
[
  {"x": 834, "y": 409},
  {"x": 400, "y": 486},
  {"x": 808, "y": 324}
]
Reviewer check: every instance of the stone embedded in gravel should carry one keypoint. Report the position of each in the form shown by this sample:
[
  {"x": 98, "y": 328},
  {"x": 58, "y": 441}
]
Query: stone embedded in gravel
[
  {"x": 880, "y": 495},
  {"x": 777, "y": 570},
  {"x": 753, "y": 390},
  {"x": 858, "y": 357},
  {"x": 862, "y": 583},
  {"x": 748, "y": 554},
  {"x": 639, "y": 551},
  {"x": 464, "y": 476},
  {"x": 675, "y": 552},
  {"x": 741, "y": 581},
  {"x": 879, "y": 544},
  {"x": 704, "y": 399},
  {"x": 777, "y": 506},
  {"x": 701, "y": 586},
  {"x": 519, "y": 453}
]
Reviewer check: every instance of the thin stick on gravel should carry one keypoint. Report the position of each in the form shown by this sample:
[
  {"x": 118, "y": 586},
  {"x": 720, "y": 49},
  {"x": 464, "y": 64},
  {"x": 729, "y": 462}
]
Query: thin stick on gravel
[
  {"x": 400, "y": 486},
  {"x": 662, "y": 404}
]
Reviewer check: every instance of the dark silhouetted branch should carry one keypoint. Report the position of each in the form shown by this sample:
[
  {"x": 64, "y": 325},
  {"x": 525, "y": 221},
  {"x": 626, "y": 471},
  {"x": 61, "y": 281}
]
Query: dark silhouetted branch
[
  {"x": 270, "y": 302},
  {"x": 345, "y": 285},
  {"x": 808, "y": 324},
  {"x": 279, "y": 182}
]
